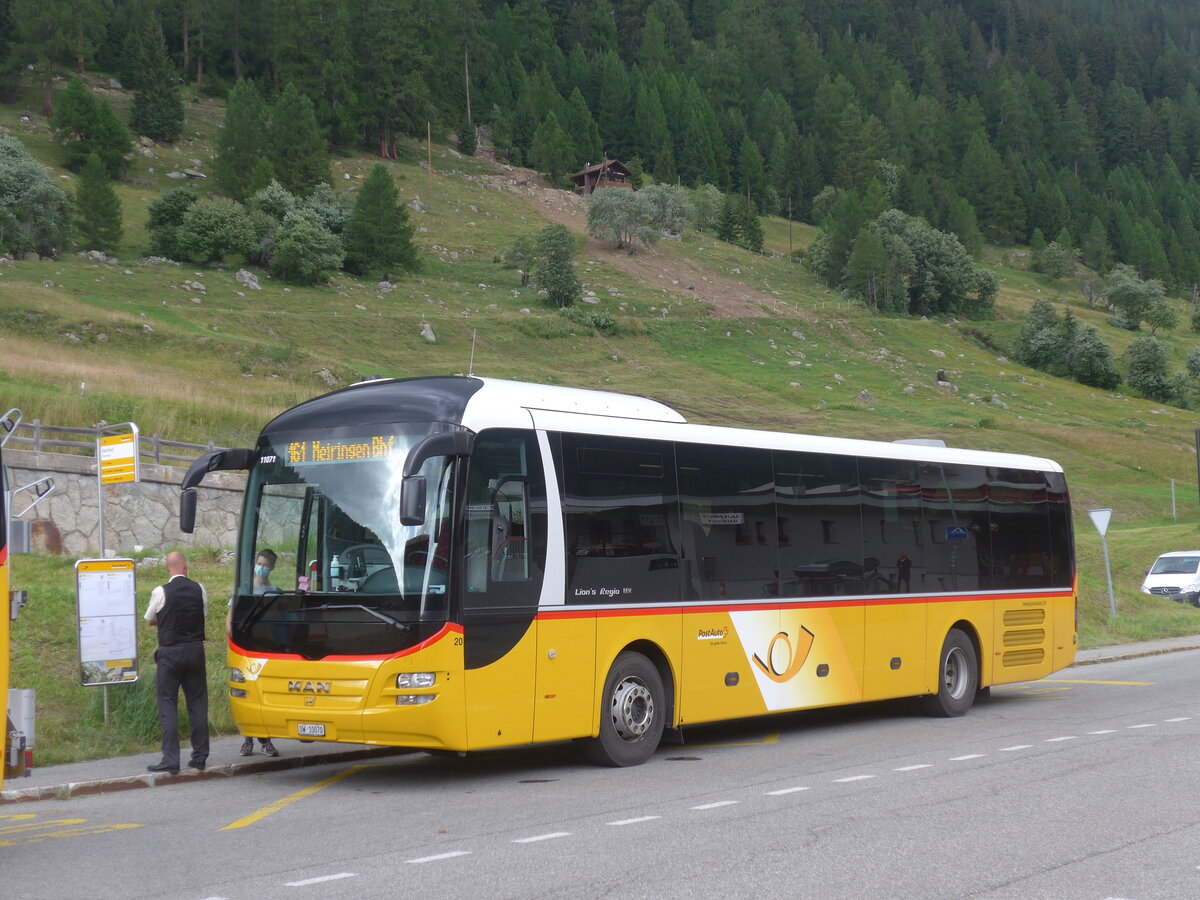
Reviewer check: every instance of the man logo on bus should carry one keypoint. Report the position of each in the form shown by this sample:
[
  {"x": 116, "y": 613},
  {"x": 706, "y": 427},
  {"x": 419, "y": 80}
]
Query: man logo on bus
[
  {"x": 794, "y": 660},
  {"x": 309, "y": 687}
]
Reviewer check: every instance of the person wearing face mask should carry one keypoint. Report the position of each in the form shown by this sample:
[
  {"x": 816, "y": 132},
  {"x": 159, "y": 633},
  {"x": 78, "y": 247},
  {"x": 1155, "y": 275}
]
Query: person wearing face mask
[{"x": 264, "y": 564}]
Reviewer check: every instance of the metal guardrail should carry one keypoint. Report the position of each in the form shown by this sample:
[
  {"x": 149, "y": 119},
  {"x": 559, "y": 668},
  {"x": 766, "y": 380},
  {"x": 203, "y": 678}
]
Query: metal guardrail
[{"x": 38, "y": 437}]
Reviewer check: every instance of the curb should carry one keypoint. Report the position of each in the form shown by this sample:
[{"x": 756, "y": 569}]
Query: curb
[
  {"x": 156, "y": 779},
  {"x": 1135, "y": 654}
]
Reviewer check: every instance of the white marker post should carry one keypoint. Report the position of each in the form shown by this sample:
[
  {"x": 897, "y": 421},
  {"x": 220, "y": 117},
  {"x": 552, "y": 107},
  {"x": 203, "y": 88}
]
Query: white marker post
[{"x": 1100, "y": 518}]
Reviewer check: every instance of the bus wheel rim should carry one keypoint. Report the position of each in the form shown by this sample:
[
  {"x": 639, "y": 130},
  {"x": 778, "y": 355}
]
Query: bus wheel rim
[
  {"x": 632, "y": 709},
  {"x": 954, "y": 674}
]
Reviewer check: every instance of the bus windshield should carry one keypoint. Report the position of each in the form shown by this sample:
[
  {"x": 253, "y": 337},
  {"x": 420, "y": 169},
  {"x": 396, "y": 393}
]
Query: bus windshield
[{"x": 325, "y": 566}]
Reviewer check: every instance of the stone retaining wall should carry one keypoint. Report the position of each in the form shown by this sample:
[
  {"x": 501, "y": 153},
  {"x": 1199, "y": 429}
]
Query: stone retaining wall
[{"x": 143, "y": 515}]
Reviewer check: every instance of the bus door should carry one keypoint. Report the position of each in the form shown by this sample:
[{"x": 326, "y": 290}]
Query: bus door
[{"x": 505, "y": 557}]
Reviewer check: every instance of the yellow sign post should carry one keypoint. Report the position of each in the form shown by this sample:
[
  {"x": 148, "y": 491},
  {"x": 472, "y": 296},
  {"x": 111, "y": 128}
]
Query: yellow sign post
[{"x": 117, "y": 462}]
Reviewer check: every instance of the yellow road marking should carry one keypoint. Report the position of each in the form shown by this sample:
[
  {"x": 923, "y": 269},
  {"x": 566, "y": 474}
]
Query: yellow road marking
[
  {"x": 287, "y": 801},
  {"x": 30, "y": 829}
]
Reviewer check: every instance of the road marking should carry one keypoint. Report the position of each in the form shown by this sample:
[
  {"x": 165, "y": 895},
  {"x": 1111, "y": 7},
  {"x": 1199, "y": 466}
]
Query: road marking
[
  {"x": 1104, "y": 731},
  {"x": 32, "y": 828},
  {"x": 440, "y": 856},
  {"x": 968, "y": 756},
  {"x": 1144, "y": 725},
  {"x": 914, "y": 767},
  {"x": 542, "y": 837},
  {"x": 1084, "y": 681},
  {"x": 1015, "y": 747},
  {"x": 635, "y": 821},
  {"x": 782, "y": 791},
  {"x": 320, "y": 879},
  {"x": 288, "y": 801},
  {"x": 718, "y": 803},
  {"x": 1069, "y": 737},
  {"x": 852, "y": 778},
  {"x": 1179, "y": 719}
]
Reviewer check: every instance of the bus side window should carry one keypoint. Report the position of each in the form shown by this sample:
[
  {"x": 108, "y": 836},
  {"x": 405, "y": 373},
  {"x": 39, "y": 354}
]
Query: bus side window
[{"x": 505, "y": 519}]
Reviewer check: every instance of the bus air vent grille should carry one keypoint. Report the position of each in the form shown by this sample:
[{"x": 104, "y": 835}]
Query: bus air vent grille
[
  {"x": 1025, "y": 637},
  {"x": 1024, "y": 616},
  {"x": 1029, "y": 657}
]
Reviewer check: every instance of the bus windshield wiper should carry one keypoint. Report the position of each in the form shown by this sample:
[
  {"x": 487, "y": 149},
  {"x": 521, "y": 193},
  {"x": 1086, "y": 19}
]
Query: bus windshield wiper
[
  {"x": 395, "y": 623},
  {"x": 264, "y": 603}
]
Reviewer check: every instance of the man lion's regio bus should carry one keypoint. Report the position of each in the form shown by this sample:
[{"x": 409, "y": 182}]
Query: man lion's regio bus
[{"x": 466, "y": 563}]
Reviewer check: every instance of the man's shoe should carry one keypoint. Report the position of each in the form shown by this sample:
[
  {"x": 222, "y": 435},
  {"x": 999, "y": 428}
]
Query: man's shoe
[
  {"x": 197, "y": 764},
  {"x": 163, "y": 767},
  {"x": 247, "y": 747},
  {"x": 269, "y": 748}
]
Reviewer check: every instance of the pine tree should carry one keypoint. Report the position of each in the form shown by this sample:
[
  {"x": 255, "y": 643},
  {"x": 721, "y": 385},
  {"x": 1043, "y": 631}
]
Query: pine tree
[
  {"x": 98, "y": 209},
  {"x": 378, "y": 236},
  {"x": 86, "y": 124},
  {"x": 157, "y": 107},
  {"x": 553, "y": 271},
  {"x": 296, "y": 145},
  {"x": 551, "y": 151},
  {"x": 241, "y": 142}
]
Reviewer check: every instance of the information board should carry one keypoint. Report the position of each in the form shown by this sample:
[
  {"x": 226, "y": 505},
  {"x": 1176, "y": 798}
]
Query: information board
[
  {"x": 106, "y": 602},
  {"x": 118, "y": 455}
]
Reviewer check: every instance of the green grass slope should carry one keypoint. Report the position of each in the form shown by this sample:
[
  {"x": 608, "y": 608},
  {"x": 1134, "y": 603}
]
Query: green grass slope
[{"x": 725, "y": 336}]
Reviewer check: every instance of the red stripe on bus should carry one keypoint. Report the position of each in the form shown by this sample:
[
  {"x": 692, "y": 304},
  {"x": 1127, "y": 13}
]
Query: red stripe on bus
[{"x": 447, "y": 629}]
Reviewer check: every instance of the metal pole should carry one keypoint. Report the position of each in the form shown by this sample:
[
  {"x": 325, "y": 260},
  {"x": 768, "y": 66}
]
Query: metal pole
[
  {"x": 1112, "y": 603},
  {"x": 106, "y": 704},
  {"x": 1174, "y": 514},
  {"x": 100, "y": 504}
]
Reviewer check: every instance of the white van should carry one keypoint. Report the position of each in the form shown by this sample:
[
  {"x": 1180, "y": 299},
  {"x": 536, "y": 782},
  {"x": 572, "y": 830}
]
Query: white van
[{"x": 1175, "y": 575}]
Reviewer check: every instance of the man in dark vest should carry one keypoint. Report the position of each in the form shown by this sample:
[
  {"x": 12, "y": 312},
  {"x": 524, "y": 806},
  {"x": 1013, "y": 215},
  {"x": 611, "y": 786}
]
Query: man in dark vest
[{"x": 178, "y": 609}]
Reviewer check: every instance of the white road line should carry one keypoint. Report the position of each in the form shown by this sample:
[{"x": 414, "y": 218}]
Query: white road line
[
  {"x": 1104, "y": 731},
  {"x": 1179, "y": 719},
  {"x": 451, "y": 855},
  {"x": 852, "y": 778},
  {"x": 914, "y": 767},
  {"x": 968, "y": 756},
  {"x": 718, "y": 803},
  {"x": 635, "y": 821},
  {"x": 781, "y": 791},
  {"x": 1069, "y": 737},
  {"x": 1015, "y": 747},
  {"x": 321, "y": 879},
  {"x": 1143, "y": 725},
  {"x": 542, "y": 837}
]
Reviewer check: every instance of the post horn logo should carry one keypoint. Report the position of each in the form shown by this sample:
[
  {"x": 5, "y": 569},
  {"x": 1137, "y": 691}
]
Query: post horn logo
[{"x": 795, "y": 656}]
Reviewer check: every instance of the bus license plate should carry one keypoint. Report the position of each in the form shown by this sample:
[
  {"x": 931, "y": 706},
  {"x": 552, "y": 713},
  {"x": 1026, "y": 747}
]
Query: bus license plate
[{"x": 310, "y": 730}]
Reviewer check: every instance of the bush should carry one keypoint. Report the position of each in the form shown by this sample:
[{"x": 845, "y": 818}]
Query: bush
[
  {"x": 166, "y": 215},
  {"x": 305, "y": 250},
  {"x": 595, "y": 319},
  {"x": 34, "y": 211},
  {"x": 213, "y": 230}
]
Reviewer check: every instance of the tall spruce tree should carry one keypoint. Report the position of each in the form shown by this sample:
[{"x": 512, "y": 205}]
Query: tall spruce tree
[
  {"x": 157, "y": 106},
  {"x": 378, "y": 237},
  {"x": 242, "y": 141},
  {"x": 297, "y": 147},
  {"x": 97, "y": 207}
]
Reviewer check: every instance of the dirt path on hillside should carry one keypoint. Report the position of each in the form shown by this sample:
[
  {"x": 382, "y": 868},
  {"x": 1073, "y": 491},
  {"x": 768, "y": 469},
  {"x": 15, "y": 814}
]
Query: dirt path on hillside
[{"x": 682, "y": 278}]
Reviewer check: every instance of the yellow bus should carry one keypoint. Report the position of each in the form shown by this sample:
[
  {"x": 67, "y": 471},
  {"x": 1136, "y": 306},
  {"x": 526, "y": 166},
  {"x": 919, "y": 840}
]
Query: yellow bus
[{"x": 465, "y": 563}]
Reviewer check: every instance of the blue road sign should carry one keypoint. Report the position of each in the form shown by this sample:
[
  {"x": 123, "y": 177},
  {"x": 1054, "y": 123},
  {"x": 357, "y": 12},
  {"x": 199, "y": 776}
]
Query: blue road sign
[{"x": 957, "y": 532}]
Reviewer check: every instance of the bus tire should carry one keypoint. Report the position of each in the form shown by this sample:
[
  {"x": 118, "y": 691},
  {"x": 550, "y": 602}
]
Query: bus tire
[
  {"x": 632, "y": 714},
  {"x": 957, "y": 677}
]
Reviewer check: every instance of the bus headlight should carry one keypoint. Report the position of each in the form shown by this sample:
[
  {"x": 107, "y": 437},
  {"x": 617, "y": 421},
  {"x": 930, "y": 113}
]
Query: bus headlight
[
  {"x": 416, "y": 680},
  {"x": 414, "y": 699},
  {"x": 236, "y": 676}
]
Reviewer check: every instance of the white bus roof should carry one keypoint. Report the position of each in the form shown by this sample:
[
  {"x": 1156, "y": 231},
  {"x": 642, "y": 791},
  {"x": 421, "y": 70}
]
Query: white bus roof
[{"x": 500, "y": 403}]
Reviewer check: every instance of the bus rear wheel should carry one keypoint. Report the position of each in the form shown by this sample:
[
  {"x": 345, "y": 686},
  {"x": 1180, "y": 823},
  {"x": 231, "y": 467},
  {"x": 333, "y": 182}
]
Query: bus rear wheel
[
  {"x": 632, "y": 715},
  {"x": 958, "y": 677}
]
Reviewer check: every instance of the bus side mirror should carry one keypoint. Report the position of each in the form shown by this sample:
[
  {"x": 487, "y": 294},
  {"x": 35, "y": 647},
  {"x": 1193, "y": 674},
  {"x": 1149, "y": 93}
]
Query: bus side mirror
[
  {"x": 187, "y": 511},
  {"x": 412, "y": 500}
]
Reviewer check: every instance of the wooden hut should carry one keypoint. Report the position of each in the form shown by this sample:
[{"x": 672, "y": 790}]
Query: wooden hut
[{"x": 610, "y": 173}]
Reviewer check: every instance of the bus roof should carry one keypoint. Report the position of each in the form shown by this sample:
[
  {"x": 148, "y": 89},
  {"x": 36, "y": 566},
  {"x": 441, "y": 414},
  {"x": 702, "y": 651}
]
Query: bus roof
[{"x": 477, "y": 403}]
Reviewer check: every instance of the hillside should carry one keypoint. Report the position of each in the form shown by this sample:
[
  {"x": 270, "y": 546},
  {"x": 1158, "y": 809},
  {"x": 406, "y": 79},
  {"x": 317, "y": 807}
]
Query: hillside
[{"x": 724, "y": 335}]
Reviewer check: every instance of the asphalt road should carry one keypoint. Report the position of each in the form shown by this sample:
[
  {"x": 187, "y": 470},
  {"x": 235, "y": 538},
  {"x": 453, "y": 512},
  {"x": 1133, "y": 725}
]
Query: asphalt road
[{"x": 1081, "y": 786}]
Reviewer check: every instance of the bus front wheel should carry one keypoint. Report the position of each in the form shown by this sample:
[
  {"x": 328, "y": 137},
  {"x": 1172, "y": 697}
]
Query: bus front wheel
[
  {"x": 632, "y": 714},
  {"x": 958, "y": 677}
]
